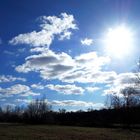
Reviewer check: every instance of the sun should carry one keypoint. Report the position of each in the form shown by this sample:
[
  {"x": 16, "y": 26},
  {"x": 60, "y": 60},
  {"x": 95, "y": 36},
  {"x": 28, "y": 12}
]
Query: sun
[{"x": 118, "y": 41}]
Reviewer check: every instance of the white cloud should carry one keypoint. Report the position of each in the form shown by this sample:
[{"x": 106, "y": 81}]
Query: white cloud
[
  {"x": 83, "y": 68},
  {"x": 75, "y": 103},
  {"x": 46, "y": 63},
  {"x": 37, "y": 86},
  {"x": 89, "y": 76},
  {"x": 23, "y": 100},
  {"x": 92, "y": 89},
  {"x": 51, "y": 26},
  {"x": 68, "y": 103},
  {"x": 92, "y": 59},
  {"x": 17, "y": 89},
  {"x": 125, "y": 78},
  {"x": 10, "y": 78},
  {"x": 87, "y": 41},
  {"x": 67, "y": 89},
  {"x": 30, "y": 93},
  {"x": 122, "y": 81}
]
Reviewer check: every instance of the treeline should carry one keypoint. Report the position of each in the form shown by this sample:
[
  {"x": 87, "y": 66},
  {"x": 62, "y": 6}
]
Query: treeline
[{"x": 39, "y": 112}]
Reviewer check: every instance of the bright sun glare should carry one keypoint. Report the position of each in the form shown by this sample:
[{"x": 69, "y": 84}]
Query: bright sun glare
[{"x": 119, "y": 41}]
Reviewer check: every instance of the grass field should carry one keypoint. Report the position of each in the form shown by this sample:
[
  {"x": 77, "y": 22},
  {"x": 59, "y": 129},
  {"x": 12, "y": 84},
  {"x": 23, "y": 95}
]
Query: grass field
[{"x": 44, "y": 132}]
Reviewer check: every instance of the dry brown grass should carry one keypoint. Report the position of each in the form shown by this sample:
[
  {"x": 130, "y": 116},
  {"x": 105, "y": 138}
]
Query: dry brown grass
[{"x": 44, "y": 132}]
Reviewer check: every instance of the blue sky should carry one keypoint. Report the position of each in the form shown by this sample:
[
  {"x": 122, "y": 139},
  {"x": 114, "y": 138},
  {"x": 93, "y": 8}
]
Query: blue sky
[{"x": 74, "y": 53}]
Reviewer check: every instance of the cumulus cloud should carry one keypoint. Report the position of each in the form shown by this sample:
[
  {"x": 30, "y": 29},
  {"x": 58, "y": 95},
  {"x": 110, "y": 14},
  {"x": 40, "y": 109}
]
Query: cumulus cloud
[
  {"x": 10, "y": 78},
  {"x": 92, "y": 89},
  {"x": 87, "y": 41},
  {"x": 17, "y": 89},
  {"x": 125, "y": 78},
  {"x": 38, "y": 86},
  {"x": 23, "y": 100},
  {"x": 68, "y": 103},
  {"x": 66, "y": 89},
  {"x": 30, "y": 93},
  {"x": 76, "y": 103},
  {"x": 122, "y": 81},
  {"x": 92, "y": 59},
  {"x": 50, "y": 27},
  {"x": 83, "y": 68},
  {"x": 47, "y": 63}
]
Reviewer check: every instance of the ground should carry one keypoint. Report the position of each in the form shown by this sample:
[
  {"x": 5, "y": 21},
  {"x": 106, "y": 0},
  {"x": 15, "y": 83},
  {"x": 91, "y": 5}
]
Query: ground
[{"x": 44, "y": 132}]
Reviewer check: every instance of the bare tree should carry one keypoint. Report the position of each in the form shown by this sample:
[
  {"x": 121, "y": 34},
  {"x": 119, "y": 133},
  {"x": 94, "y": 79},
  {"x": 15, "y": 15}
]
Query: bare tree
[
  {"x": 38, "y": 110},
  {"x": 116, "y": 102},
  {"x": 113, "y": 101},
  {"x": 130, "y": 94},
  {"x": 131, "y": 97}
]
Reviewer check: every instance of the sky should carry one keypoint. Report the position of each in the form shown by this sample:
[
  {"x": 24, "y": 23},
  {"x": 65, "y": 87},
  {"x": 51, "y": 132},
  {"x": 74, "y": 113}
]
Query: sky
[{"x": 73, "y": 53}]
